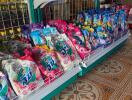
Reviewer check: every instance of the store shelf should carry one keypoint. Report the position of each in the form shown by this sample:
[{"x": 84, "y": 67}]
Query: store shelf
[
  {"x": 129, "y": 22},
  {"x": 101, "y": 54},
  {"x": 47, "y": 92}
]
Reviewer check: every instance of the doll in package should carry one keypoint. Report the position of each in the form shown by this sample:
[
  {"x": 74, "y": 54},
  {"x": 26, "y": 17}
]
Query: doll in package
[
  {"x": 24, "y": 76},
  {"x": 6, "y": 91},
  {"x": 52, "y": 69},
  {"x": 107, "y": 24},
  {"x": 16, "y": 48}
]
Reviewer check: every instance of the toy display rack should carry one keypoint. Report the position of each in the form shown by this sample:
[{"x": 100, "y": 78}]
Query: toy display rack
[{"x": 54, "y": 88}]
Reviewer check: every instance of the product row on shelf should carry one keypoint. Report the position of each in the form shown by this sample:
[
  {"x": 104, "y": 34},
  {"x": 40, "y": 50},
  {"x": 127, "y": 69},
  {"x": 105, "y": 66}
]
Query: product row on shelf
[{"x": 44, "y": 53}]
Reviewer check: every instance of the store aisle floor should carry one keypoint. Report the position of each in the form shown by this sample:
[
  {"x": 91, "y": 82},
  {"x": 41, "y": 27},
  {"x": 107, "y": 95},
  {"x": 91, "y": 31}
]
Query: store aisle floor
[{"x": 111, "y": 80}]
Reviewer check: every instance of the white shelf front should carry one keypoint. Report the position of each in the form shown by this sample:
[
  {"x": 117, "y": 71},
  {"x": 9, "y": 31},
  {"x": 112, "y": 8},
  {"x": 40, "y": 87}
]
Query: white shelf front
[{"x": 44, "y": 91}]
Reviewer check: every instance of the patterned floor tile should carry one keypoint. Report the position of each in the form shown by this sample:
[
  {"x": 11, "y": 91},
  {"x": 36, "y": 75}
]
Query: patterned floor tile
[
  {"x": 81, "y": 90},
  {"x": 113, "y": 70}
]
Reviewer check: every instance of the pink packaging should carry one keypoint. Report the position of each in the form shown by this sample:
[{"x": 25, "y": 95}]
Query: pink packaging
[
  {"x": 6, "y": 91},
  {"x": 66, "y": 52},
  {"x": 48, "y": 64},
  {"x": 61, "y": 25},
  {"x": 78, "y": 41},
  {"x": 24, "y": 76}
]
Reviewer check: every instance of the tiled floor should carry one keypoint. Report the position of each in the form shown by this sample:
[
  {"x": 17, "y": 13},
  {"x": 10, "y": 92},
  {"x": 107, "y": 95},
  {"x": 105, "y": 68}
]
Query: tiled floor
[{"x": 111, "y": 80}]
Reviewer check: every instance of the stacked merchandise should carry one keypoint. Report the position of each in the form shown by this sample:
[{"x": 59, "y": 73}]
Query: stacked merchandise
[
  {"x": 102, "y": 27},
  {"x": 44, "y": 53},
  {"x": 37, "y": 59}
]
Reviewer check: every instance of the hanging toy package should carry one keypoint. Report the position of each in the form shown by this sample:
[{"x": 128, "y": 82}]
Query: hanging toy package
[
  {"x": 6, "y": 91},
  {"x": 24, "y": 76}
]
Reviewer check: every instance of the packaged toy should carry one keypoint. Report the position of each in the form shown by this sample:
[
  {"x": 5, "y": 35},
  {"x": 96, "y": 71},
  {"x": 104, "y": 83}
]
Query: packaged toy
[
  {"x": 24, "y": 76},
  {"x": 77, "y": 38},
  {"x": 65, "y": 51}
]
